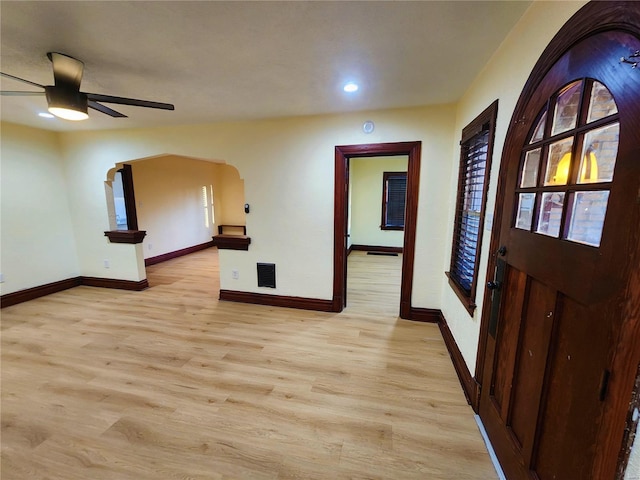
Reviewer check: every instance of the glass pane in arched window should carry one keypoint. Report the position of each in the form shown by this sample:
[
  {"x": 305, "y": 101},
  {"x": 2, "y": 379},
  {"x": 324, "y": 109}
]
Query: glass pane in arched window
[
  {"x": 588, "y": 210},
  {"x": 550, "y": 214},
  {"x": 565, "y": 114},
  {"x": 530, "y": 168},
  {"x": 526, "y": 202},
  {"x": 538, "y": 133},
  {"x": 599, "y": 152},
  {"x": 601, "y": 103},
  {"x": 558, "y": 162}
]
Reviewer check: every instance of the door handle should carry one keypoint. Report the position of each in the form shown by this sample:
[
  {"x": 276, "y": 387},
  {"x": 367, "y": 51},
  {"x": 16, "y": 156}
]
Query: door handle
[
  {"x": 604, "y": 384},
  {"x": 496, "y": 292}
]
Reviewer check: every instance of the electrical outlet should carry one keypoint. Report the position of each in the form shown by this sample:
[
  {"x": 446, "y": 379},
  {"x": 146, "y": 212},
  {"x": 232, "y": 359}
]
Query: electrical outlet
[
  {"x": 150, "y": 246},
  {"x": 107, "y": 264},
  {"x": 235, "y": 274}
]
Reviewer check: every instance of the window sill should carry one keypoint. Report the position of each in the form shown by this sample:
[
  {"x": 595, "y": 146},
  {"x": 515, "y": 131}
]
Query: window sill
[
  {"x": 466, "y": 300},
  {"x": 231, "y": 242},
  {"x": 125, "y": 236}
]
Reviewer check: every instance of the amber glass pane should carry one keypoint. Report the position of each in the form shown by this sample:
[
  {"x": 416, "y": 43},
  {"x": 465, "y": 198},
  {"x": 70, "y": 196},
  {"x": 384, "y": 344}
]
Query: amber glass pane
[
  {"x": 587, "y": 217},
  {"x": 538, "y": 133},
  {"x": 558, "y": 162},
  {"x": 601, "y": 103},
  {"x": 600, "y": 149},
  {"x": 526, "y": 201},
  {"x": 550, "y": 214},
  {"x": 530, "y": 167},
  {"x": 565, "y": 114}
]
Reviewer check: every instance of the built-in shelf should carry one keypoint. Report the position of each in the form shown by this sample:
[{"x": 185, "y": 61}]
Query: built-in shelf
[
  {"x": 231, "y": 242},
  {"x": 125, "y": 236}
]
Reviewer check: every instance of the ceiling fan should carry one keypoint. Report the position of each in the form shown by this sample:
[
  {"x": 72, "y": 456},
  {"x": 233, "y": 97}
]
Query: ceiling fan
[{"x": 64, "y": 98}]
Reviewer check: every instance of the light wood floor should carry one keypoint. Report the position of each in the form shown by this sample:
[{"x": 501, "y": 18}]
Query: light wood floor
[{"x": 170, "y": 383}]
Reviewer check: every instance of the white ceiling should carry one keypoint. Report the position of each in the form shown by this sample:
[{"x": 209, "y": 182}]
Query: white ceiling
[{"x": 221, "y": 61}]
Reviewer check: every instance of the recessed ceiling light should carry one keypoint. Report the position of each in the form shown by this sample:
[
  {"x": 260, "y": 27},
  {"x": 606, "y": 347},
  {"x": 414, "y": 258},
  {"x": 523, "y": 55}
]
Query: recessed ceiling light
[
  {"x": 350, "y": 87},
  {"x": 45, "y": 115}
]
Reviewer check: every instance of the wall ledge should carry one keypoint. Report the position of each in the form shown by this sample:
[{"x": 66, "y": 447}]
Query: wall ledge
[
  {"x": 125, "y": 236},
  {"x": 231, "y": 242}
]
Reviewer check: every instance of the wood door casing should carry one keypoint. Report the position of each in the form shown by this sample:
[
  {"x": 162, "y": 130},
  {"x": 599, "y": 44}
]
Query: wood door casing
[
  {"x": 342, "y": 155},
  {"x": 563, "y": 305}
]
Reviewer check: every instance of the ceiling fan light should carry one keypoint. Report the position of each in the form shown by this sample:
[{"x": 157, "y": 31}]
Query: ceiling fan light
[
  {"x": 67, "y": 104},
  {"x": 68, "y": 114}
]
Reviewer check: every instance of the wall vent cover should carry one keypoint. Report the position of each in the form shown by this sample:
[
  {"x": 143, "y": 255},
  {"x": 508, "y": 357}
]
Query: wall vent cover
[{"x": 267, "y": 275}]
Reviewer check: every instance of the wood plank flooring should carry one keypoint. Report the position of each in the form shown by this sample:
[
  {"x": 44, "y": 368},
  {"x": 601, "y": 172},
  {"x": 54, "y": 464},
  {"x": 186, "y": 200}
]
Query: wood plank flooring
[{"x": 170, "y": 383}]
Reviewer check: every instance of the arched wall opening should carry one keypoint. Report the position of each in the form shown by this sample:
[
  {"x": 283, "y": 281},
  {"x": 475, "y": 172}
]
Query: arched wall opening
[{"x": 179, "y": 202}]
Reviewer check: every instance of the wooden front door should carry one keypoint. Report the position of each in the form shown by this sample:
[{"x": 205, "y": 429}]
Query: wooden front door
[{"x": 570, "y": 220}]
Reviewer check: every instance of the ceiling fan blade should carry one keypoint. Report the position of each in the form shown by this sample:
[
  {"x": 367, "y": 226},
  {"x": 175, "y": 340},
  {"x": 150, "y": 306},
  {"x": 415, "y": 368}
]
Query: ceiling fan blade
[
  {"x": 129, "y": 101},
  {"x": 101, "y": 108},
  {"x": 13, "y": 77},
  {"x": 7, "y": 93},
  {"x": 67, "y": 71}
]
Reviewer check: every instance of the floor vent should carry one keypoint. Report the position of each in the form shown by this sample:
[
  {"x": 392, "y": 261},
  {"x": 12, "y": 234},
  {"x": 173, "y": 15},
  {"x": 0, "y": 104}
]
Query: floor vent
[{"x": 267, "y": 275}]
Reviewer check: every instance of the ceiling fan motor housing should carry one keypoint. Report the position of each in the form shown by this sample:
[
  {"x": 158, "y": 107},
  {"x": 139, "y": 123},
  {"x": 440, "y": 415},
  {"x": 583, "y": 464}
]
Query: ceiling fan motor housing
[{"x": 59, "y": 97}]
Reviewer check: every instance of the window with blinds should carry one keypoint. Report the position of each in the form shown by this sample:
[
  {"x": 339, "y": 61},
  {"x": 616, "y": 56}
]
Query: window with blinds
[
  {"x": 394, "y": 192},
  {"x": 473, "y": 181}
]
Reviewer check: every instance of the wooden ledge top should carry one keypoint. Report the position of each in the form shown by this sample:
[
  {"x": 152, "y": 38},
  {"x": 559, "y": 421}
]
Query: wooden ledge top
[
  {"x": 231, "y": 242},
  {"x": 126, "y": 236}
]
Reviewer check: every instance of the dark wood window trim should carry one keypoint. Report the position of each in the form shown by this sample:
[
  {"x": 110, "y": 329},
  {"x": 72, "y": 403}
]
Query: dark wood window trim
[
  {"x": 132, "y": 234},
  {"x": 129, "y": 197},
  {"x": 386, "y": 177},
  {"x": 464, "y": 241}
]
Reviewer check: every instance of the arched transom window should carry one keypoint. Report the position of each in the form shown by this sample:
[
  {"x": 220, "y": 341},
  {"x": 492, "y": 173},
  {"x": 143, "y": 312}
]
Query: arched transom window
[{"x": 567, "y": 165}]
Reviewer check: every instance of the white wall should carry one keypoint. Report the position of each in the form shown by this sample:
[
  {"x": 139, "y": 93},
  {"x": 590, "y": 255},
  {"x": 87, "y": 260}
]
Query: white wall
[
  {"x": 503, "y": 78},
  {"x": 288, "y": 169},
  {"x": 366, "y": 176},
  {"x": 37, "y": 241}
]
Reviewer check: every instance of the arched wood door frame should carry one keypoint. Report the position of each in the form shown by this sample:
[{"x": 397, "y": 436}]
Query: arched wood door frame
[
  {"x": 593, "y": 18},
  {"x": 342, "y": 156}
]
